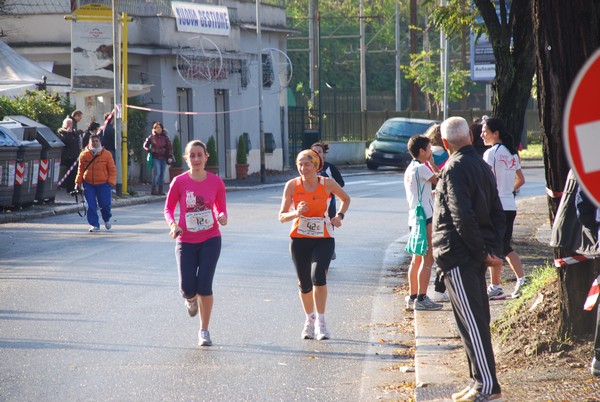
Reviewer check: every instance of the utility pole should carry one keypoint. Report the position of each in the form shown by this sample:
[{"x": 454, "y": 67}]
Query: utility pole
[
  {"x": 117, "y": 93},
  {"x": 444, "y": 66},
  {"x": 263, "y": 171},
  {"x": 313, "y": 59},
  {"x": 398, "y": 75},
  {"x": 363, "y": 52}
]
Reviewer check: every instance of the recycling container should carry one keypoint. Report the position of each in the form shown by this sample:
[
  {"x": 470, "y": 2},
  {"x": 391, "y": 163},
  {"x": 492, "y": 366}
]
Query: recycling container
[
  {"x": 28, "y": 163},
  {"x": 8, "y": 161},
  {"x": 49, "y": 166}
]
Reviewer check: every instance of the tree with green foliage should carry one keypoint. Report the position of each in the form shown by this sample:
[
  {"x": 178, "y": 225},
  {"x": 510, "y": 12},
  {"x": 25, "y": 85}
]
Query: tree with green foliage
[
  {"x": 41, "y": 106},
  {"x": 242, "y": 151},
  {"x": 510, "y": 31},
  {"x": 211, "y": 148},
  {"x": 137, "y": 130},
  {"x": 177, "y": 154},
  {"x": 427, "y": 75}
]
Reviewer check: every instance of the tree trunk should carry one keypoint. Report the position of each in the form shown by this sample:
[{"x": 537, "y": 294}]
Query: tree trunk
[
  {"x": 565, "y": 35},
  {"x": 512, "y": 40}
]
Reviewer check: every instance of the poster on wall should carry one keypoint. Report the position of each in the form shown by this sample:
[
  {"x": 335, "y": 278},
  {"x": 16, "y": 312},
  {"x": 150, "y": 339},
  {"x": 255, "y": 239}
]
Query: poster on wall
[{"x": 92, "y": 55}]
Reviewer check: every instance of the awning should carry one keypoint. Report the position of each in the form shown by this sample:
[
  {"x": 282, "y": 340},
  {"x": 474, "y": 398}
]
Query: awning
[
  {"x": 132, "y": 91},
  {"x": 17, "y": 74}
]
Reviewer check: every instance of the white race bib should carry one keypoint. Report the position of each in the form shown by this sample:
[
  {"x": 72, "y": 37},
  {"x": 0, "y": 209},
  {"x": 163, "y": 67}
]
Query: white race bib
[
  {"x": 199, "y": 220},
  {"x": 313, "y": 227}
]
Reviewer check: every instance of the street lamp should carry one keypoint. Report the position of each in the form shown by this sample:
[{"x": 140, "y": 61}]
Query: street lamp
[{"x": 333, "y": 87}]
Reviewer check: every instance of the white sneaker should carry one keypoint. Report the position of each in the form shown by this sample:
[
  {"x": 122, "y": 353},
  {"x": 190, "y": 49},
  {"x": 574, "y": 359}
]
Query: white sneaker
[
  {"x": 410, "y": 303},
  {"x": 309, "y": 329},
  {"x": 94, "y": 229},
  {"x": 192, "y": 307},
  {"x": 495, "y": 293},
  {"x": 521, "y": 282},
  {"x": 322, "y": 332},
  {"x": 427, "y": 304},
  {"x": 107, "y": 225},
  {"x": 204, "y": 338},
  {"x": 440, "y": 297}
]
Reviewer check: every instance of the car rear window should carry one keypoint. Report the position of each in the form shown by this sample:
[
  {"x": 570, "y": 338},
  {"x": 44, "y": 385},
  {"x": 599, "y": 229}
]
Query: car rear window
[{"x": 402, "y": 129}]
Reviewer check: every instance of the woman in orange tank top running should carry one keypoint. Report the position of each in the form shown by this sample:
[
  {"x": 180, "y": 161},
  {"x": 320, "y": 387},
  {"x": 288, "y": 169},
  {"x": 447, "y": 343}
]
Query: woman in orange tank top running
[{"x": 305, "y": 202}]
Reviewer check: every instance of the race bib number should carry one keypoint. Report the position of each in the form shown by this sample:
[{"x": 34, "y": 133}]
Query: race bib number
[
  {"x": 199, "y": 220},
  {"x": 313, "y": 227}
]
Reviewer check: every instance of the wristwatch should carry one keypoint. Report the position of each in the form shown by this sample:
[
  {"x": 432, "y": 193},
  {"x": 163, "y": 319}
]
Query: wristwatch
[{"x": 341, "y": 215}]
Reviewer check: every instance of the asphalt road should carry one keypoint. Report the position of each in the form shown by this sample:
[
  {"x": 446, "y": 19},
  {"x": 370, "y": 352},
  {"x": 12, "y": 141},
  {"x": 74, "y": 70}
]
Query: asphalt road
[{"x": 97, "y": 316}]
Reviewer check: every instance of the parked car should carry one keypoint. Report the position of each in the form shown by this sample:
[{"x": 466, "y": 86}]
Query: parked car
[{"x": 389, "y": 147}]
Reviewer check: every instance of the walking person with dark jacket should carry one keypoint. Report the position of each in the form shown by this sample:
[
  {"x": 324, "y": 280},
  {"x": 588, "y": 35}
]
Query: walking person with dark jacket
[
  {"x": 159, "y": 145},
  {"x": 107, "y": 136},
  {"x": 70, "y": 152},
  {"x": 468, "y": 227}
]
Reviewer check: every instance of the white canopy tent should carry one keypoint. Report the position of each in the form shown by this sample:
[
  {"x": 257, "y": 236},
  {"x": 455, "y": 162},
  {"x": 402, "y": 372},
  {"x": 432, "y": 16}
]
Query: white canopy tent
[{"x": 17, "y": 74}]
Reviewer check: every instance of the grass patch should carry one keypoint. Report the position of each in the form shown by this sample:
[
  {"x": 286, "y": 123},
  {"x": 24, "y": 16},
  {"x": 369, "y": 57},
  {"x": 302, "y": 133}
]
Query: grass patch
[
  {"x": 517, "y": 310},
  {"x": 533, "y": 151}
]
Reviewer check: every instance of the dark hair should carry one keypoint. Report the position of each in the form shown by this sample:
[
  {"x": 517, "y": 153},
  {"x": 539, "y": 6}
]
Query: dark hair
[
  {"x": 417, "y": 142},
  {"x": 496, "y": 124},
  {"x": 94, "y": 136},
  {"x": 93, "y": 126},
  {"x": 106, "y": 117},
  {"x": 324, "y": 146},
  {"x": 158, "y": 123}
]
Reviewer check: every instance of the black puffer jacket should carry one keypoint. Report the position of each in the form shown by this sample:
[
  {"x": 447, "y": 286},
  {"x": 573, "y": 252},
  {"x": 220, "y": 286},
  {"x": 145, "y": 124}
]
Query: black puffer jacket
[
  {"x": 72, "y": 141},
  {"x": 468, "y": 219},
  {"x": 569, "y": 232}
]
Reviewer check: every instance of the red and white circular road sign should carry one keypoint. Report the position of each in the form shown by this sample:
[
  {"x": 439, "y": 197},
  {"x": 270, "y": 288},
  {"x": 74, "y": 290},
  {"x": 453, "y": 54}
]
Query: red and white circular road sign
[{"x": 581, "y": 127}]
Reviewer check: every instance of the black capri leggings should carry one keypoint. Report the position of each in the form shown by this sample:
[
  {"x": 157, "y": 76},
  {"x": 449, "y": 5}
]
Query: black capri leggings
[
  {"x": 312, "y": 257},
  {"x": 510, "y": 222}
]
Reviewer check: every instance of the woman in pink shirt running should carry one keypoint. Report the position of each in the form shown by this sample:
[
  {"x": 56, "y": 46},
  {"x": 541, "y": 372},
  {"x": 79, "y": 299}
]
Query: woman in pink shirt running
[{"x": 202, "y": 206}]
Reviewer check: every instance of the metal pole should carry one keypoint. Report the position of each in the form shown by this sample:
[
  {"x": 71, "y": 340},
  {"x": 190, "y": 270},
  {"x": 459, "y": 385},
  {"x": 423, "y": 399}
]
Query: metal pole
[
  {"x": 117, "y": 96},
  {"x": 363, "y": 51},
  {"x": 263, "y": 172},
  {"x": 124, "y": 155},
  {"x": 398, "y": 76},
  {"x": 444, "y": 66}
]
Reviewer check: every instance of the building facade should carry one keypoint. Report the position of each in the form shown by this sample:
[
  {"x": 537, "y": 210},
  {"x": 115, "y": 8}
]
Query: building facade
[{"x": 197, "y": 82}]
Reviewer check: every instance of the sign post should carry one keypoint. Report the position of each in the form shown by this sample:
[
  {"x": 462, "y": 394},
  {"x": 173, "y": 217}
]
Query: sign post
[{"x": 581, "y": 127}]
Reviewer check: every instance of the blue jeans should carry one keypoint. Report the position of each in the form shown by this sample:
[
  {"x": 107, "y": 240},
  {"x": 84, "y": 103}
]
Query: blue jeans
[
  {"x": 102, "y": 193},
  {"x": 158, "y": 171}
]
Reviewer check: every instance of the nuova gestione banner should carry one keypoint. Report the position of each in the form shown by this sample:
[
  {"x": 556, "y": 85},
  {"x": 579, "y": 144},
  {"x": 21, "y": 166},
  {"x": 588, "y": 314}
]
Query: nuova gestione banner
[{"x": 201, "y": 18}]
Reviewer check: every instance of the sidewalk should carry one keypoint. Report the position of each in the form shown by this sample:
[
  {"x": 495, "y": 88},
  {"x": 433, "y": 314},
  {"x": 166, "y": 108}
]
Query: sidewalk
[
  {"x": 440, "y": 362},
  {"x": 139, "y": 193}
]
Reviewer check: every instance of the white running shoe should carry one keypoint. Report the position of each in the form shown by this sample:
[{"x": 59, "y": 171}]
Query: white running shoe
[
  {"x": 410, "y": 303},
  {"x": 495, "y": 293},
  {"x": 521, "y": 282},
  {"x": 204, "y": 338},
  {"x": 192, "y": 307},
  {"x": 94, "y": 229},
  {"x": 322, "y": 332},
  {"x": 309, "y": 329},
  {"x": 440, "y": 297},
  {"x": 427, "y": 304}
]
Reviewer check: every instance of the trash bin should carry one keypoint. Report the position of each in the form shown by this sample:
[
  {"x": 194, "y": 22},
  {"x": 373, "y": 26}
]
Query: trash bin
[
  {"x": 309, "y": 137},
  {"x": 8, "y": 160},
  {"x": 28, "y": 163},
  {"x": 49, "y": 171}
]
